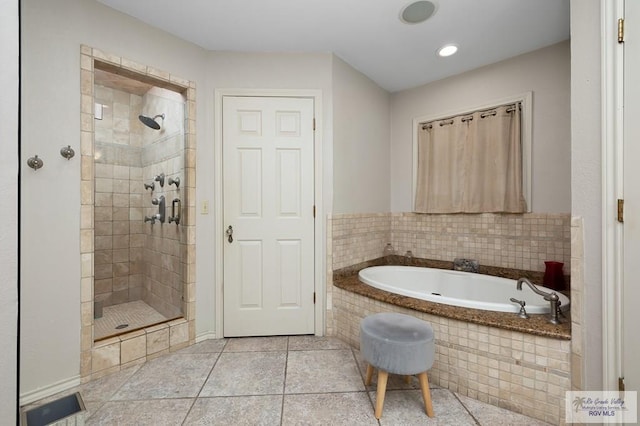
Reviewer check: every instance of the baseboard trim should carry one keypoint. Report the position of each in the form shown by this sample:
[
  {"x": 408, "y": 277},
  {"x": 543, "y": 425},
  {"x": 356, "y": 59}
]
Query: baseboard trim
[
  {"x": 205, "y": 336},
  {"x": 38, "y": 394}
]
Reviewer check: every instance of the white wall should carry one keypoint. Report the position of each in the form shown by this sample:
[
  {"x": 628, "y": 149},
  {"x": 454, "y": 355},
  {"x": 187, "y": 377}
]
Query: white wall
[
  {"x": 546, "y": 72},
  {"x": 586, "y": 172},
  {"x": 50, "y": 262},
  {"x": 361, "y": 111},
  {"x": 235, "y": 70},
  {"x": 53, "y": 33},
  {"x": 9, "y": 208}
]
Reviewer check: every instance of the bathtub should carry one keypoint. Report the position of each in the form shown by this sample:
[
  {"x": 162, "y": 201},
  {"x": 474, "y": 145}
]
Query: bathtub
[{"x": 464, "y": 289}]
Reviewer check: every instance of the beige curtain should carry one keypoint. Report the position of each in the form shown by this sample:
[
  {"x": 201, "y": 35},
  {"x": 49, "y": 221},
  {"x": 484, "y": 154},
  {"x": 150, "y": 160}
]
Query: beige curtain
[{"x": 471, "y": 163}]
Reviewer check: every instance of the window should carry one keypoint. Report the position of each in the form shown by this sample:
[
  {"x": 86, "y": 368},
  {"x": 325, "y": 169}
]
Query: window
[{"x": 474, "y": 162}]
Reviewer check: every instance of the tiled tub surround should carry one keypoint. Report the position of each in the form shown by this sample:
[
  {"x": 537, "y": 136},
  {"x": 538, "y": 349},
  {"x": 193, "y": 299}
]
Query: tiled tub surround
[
  {"x": 109, "y": 355},
  {"x": 516, "y": 241},
  {"x": 347, "y": 279},
  {"x": 520, "y": 371},
  {"x": 510, "y": 241},
  {"x": 577, "y": 311}
]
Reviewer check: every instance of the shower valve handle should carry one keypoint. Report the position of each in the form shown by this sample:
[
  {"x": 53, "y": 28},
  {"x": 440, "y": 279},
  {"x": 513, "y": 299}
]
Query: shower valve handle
[{"x": 229, "y": 233}]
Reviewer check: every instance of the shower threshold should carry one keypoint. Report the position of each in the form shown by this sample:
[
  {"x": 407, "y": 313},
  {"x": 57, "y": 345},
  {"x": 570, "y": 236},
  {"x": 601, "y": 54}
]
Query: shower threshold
[{"x": 135, "y": 315}]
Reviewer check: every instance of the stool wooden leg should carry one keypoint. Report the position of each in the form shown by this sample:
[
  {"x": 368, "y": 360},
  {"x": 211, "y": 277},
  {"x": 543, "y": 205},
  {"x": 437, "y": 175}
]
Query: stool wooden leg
[
  {"x": 426, "y": 393},
  {"x": 369, "y": 376},
  {"x": 382, "y": 387},
  {"x": 407, "y": 379}
]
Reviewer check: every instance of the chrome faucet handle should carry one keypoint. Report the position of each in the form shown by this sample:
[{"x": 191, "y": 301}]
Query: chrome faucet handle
[
  {"x": 160, "y": 178},
  {"x": 172, "y": 181},
  {"x": 560, "y": 313},
  {"x": 523, "y": 311},
  {"x": 554, "y": 300}
]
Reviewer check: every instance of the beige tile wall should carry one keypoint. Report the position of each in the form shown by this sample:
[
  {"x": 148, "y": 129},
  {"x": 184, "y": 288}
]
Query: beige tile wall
[
  {"x": 524, "y": 373},
  {"x": 118, "y": 198},
  {"x": 356, "y": 238},
  {"x": 100, "y": 358},
  {"x": 352, "y": 239},
  {"x": 162, "y": 153},
  {"x": 577, "y": 297},
  {"x": 509, "y": 241},
  {"x": 505, "y": 240},
  {"x": 521, "y": 372}
]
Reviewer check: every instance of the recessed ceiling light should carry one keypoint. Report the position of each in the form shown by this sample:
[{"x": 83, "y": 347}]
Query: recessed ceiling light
[
  {"x": 447, "y": 50},
  {"x": 416, "y": 12}
]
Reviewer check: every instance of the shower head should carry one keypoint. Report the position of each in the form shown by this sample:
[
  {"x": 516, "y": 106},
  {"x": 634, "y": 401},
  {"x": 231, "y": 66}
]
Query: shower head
[{"x": 151, "y": 122}]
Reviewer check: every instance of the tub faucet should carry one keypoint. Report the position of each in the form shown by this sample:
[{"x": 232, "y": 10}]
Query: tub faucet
[{"x": 550, "y": 297}]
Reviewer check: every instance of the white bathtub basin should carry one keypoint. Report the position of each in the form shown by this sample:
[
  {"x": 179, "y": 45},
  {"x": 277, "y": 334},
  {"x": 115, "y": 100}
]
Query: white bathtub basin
[{"x": 464, "y": 289}]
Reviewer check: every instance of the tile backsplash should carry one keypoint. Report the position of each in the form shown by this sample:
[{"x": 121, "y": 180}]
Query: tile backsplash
[{"x": 504, "y": 240}]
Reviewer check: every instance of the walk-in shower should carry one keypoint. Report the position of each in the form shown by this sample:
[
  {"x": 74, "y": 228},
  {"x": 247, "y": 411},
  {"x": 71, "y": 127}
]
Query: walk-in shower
[{"x": 138, "y": 265}]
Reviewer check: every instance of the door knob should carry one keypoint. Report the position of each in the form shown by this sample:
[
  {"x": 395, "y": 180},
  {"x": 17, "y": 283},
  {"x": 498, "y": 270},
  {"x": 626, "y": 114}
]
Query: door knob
[{"x": 229, "y": 233}]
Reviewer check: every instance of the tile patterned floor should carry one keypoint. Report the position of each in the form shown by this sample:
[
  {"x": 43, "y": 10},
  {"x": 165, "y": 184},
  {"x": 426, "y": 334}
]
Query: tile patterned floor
[
  {"x": 136, "y": 314},
  {"x": 270, "y": 381}
]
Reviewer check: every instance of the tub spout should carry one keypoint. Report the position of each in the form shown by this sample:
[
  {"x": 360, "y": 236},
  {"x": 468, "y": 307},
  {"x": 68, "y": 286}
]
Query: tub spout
[{"x": 552, "y": 298}]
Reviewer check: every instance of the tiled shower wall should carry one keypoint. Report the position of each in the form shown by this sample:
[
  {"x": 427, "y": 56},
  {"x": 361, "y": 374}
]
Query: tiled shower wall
[
  {"x": 136, "y": 260},
  {"x": 162, "y": 153},
  {"x": 100, "y": 358},
  {"x": 118, "y": 198}
]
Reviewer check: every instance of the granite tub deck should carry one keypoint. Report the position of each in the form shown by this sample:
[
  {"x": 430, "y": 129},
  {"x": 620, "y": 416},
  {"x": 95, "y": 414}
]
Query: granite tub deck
[{"x": 347, "y": 279}]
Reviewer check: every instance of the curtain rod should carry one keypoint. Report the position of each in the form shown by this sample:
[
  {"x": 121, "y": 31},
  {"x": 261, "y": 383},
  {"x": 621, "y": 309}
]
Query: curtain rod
[{"x": 486, "y": 112}]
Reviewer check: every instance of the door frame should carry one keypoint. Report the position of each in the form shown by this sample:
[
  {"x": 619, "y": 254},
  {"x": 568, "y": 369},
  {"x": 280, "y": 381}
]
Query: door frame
[
  {"x": 319, "y": 223},
  {"x": 612, "y": 90}
]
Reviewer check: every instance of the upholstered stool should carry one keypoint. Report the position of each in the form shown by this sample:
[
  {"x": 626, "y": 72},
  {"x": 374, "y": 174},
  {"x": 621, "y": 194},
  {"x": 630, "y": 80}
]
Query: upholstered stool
[{"x": 397, "y": 344}]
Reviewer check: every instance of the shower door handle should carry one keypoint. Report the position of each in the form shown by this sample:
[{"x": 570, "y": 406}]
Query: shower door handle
[{"x": 229, "y": 233}]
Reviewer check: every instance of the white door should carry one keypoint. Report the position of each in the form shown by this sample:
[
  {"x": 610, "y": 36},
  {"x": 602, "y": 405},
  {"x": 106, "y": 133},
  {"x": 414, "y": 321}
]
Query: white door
[
  {"x": 631, "y": 285},
  {"x": 268, "y": 196}
]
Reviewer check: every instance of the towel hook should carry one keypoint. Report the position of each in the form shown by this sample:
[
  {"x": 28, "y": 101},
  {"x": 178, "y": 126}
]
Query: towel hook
[
  {"x": 35, "y": 163},
  {"x": 67, "y": 152}
]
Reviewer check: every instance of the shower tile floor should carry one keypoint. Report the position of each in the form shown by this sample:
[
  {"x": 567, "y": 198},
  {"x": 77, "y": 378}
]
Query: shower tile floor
[
  {"x": 270, "y": 381},
  {"x": 136, "y": 314}
]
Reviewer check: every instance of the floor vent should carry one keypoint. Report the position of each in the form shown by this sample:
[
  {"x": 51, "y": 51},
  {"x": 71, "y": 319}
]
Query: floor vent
[{"x": 65, "y": 411}]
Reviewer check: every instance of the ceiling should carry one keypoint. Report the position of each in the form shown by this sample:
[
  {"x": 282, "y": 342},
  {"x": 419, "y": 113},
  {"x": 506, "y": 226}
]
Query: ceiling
[{"x": 367, "y": 34}]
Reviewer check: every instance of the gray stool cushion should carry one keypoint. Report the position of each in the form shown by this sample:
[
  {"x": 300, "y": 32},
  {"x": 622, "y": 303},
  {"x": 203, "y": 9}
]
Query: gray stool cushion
[{"x": 397, "y": 343}]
